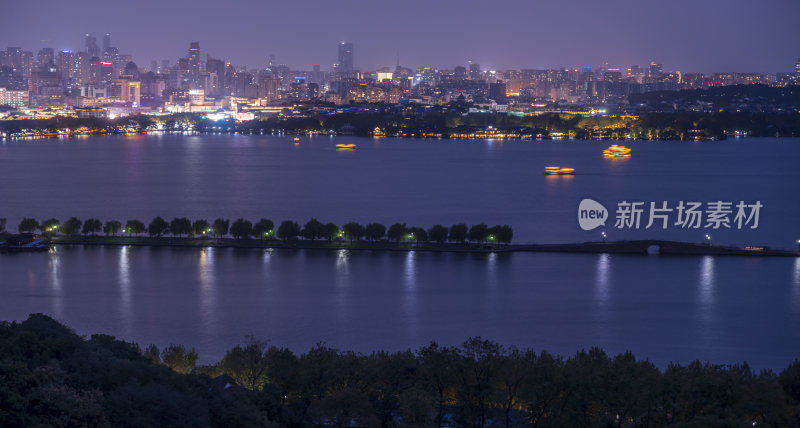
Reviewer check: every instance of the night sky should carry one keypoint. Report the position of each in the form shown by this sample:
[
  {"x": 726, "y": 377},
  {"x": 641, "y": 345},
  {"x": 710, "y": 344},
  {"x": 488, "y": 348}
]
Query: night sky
[{"x": 686, "y": 35}]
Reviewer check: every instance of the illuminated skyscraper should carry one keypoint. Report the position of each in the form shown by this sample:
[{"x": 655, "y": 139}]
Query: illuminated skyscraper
[
  {"x": 797, "y": 67},
  {"x": 346, "y": 60},
  {"x": 66, "y": 65},
  {"x": 195, "y": 66},
  {"x": 106, "y": 42}
]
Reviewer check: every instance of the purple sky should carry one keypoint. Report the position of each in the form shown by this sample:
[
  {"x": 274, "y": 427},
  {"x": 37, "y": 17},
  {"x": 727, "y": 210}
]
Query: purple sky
[{"x": 686, "y": 35}]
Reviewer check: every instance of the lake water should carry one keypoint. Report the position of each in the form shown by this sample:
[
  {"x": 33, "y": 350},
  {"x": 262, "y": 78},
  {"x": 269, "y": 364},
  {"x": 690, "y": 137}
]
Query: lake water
[{"x": 721, "y": 309}]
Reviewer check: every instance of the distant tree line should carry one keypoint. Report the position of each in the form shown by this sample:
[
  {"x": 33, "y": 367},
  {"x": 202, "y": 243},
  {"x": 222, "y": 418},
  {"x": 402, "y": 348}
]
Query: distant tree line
[
  {"x": 265, "y": 229},
  {"x": 773, "y": 112},
  {"x": 50, "y": 376}
]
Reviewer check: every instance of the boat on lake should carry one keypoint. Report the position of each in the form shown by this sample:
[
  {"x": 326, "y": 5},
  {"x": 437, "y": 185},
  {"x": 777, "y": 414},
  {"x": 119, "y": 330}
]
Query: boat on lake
[
  {"x": 23, "y": 243},
  {"x": 557, "y": 170},
  {"x": 616, "y": 151},
  {"x": 345, "y": 146}
]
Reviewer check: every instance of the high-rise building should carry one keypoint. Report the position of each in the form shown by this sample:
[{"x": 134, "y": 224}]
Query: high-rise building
[
  {"x": 268, "y": 87},
  {"x": 46, "y": 57},
  {"x": 797, "y": 67},
  {"x": 346, "y": 57},
  {"x": 82, "y": 70},
  {"x": 216, "y": 69},
  {"x": 14, "y": 58},
  {"x": 655, "y": 70},
  {"x": 66, "y": 65},
  {"x": 91, "y": 46},
  {"x": 106, "y": 42},
  {"x": 194, "y": 61}
]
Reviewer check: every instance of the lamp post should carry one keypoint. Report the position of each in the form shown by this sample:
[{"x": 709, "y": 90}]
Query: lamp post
[
  {"x": 604, "y": 236},
  {"x": 708, "y": 239}
]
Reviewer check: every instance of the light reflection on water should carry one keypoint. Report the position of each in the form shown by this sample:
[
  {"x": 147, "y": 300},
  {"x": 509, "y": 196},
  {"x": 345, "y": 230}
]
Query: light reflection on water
[
  {"x": 796, "y": 286},
  {"x": 663, "y": 308},
  {"x": 125, "y": 290},
  {"x": 55, "y": 285},
  {"x": 410, "y": 293},
  {"x": 208, "y": 288},
  {"x": 706, "y": 296}
]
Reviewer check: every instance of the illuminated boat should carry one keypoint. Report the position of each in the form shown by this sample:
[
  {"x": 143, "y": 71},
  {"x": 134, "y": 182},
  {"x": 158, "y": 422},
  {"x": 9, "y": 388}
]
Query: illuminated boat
[
  {"x": 557, "y": 170},
  {"x": 616, "y": 151},
  {"x": 346, "y": 146},
  {"x": 296, "y": 140}
]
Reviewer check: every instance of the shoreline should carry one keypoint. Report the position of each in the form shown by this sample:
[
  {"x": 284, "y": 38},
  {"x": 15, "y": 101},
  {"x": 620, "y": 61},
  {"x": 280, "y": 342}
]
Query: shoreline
[{"x": 661, "y": 247}]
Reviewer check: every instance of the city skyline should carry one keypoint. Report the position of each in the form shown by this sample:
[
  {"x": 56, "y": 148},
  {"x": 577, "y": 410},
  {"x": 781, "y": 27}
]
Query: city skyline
[{"x": 439, "y": 35}]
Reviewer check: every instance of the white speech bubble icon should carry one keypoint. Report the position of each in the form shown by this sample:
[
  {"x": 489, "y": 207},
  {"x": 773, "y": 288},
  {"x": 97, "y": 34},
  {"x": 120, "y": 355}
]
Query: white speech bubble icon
[{"x": 591, "y": 214}]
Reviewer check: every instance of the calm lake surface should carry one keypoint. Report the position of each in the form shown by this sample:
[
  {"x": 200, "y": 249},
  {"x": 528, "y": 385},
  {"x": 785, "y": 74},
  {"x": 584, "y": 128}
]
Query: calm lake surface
[{"x": 720, "y": 309}]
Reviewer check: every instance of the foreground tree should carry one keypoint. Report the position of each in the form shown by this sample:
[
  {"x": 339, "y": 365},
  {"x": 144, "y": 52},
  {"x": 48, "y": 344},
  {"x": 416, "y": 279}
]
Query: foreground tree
[
  {"x": 221, "y": 227},
  {"x": 247, "y": 364},
  {"x": 264, "y": 228},
  {"x": 134, "y": 227},
  {"x": 28, "y": 225},
  {"x": 397, "y": 232},
  {"x": 241, "y": 229},
  {"x": 158, "y": 227},
  {"x": 375, "y": 231},
  {"x": 178, "y": 358},
  {"x": 288, "y": 230},
  {"x": 71, "y": 227},
  {"x": 112, "y": 227},
  {"x": 458, "y": 232}
]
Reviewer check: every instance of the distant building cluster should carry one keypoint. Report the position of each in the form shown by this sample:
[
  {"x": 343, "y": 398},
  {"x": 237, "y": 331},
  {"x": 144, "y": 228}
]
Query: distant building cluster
[{"x": 99, "y": 81}]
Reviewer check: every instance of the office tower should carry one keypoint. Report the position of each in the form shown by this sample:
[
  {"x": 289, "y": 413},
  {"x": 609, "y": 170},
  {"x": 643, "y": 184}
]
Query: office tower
[
  {"x": 106, "y": 42},
  {"x": 460, "y": 72},
  {"x": 654, "y": 72},
  {"x": 346, "y": 57},
  {"x": 215, "y": 67},
  {"x": 45, "y": 57},
  {"x": 91, "y": 46},
  {"x": 797, "y": 67},
  {"x": 194, "y": 63},
  {"x": 497, "y": 92},
  {"x": 94, "y": 71},
  {"x": 66, "y": 65},
  {"x": 26, "y": 63},
  {"x": 164, "y": 66},
  {"x": 268, "y": 87},
  {"x": 82, "y": 69},
  {"x": 474, "y": 71},
  {"x": 14, "y": 58}
]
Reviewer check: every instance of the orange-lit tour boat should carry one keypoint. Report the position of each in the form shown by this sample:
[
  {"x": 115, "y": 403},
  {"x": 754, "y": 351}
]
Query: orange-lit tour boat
[
  {"x": 345, "y": 146},
  {"x": 556, "y": 170},
  {"x": 616, "y": 151}
]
